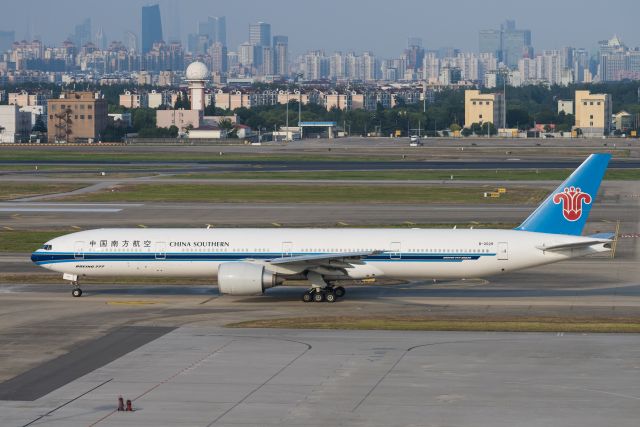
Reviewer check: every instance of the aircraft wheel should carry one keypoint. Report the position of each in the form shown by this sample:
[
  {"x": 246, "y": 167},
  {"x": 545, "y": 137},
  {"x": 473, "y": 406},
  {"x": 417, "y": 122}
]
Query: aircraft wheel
[
  {"x": 340, "y": 291},
  {"x": 77, "y": 292},
  {"x": 307, "y": 297},
  {"x": 330, "y": 296},
  {"x": 318, "y": 296}
]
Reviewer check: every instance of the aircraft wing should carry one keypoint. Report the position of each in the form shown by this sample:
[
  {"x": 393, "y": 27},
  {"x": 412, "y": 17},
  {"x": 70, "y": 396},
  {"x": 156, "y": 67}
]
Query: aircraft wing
[{"x": 340, "y": 260}]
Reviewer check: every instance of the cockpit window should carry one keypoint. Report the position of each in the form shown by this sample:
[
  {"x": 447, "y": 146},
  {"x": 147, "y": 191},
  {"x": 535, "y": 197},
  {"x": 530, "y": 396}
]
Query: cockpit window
[{"x": 46, "y": 247}]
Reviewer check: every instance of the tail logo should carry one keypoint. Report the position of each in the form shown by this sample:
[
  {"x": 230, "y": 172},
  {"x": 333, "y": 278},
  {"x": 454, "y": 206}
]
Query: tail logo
[{"x": 572, "y": 199}]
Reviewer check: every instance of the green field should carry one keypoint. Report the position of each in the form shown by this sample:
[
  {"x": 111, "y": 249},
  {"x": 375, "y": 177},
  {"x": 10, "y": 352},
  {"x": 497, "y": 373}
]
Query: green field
[
  {"x": 538, "y": 324},
  {"x": 98, "y": 154},
  {"x": 27, "y": 241},
  {"x": 406, "y": 175},
  {"x": 16, "y": 190},
  {"x": 283, "y": 193}
]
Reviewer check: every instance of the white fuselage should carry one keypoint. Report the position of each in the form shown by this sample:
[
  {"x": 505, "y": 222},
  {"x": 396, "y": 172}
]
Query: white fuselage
[{"x": 407, "y": 253}]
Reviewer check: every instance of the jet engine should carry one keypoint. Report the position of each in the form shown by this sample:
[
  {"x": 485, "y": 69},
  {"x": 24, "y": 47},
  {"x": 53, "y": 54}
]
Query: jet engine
[{"x": 245, "y": 278}]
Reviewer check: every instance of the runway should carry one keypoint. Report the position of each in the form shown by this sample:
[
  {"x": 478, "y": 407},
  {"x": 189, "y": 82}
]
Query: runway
[{"x": 346, "y": 165}]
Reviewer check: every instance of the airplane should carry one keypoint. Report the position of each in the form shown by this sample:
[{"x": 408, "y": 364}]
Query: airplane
[{"x": 250, "y": 261}]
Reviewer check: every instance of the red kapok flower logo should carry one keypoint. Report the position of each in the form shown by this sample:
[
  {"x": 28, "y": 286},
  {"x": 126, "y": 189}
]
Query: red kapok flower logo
[{"x": 572, "y": 199}]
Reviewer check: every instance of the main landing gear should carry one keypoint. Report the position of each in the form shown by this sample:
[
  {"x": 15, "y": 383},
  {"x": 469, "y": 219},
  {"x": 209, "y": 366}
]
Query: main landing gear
[
  {"x": 321, "y": 291},
  {"x": 326, "y": 294}
]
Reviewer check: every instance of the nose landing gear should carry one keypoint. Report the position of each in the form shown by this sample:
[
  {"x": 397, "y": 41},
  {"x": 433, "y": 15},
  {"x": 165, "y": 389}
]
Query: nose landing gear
[
  {"x": 76, "y": 292},
  {"x": 73, "y": 278}
]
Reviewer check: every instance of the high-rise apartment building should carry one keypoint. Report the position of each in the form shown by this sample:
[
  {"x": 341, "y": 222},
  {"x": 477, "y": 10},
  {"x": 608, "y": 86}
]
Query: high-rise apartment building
[
  {"x": 151, "y": 27},
  {"x": 218, "y": 54},
  {"x": 281, "y": 55}
]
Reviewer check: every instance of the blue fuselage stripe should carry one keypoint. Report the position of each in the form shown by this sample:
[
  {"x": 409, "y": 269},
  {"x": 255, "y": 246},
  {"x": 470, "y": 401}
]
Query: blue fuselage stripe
[{"x": 42, "y": 258}]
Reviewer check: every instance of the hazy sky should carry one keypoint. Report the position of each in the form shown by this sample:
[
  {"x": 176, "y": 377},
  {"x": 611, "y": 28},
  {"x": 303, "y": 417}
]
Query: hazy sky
[{"x": 375, "y": 25}]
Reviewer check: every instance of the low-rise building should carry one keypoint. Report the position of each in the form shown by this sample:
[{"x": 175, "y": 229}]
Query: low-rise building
[
  {"x": 25, "y": 99},
  {"x": 76, "y": 117},
  {"x": 565, "y": 106},
  {"x": 483, "y": 108},
  {"x": 15, "y": 125},
  {"x": 207, "y": 132},
  {"x": 122, "y": 118},
  {"x": 622, "y": 121},
  {"x": 157, "y": 99},
  {"x": 134, "y": 100},
  {"x": 593, "y": 113},
  {"x": 35, "y": 112},
  {"x": 182, "y": 119}
]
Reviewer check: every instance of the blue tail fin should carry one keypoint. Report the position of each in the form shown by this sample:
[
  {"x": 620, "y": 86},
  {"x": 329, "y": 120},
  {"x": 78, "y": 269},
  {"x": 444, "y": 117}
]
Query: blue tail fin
[{"x": 565, "y": 211}]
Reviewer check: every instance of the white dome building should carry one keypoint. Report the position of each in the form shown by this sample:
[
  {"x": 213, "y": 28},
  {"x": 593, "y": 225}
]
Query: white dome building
[
  {"x": 197, "y": 74},
  {"x": 197, "y": 71}
]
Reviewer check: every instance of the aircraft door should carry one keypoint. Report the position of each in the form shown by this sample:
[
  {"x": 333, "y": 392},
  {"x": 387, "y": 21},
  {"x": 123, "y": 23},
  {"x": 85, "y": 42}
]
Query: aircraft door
[
  {"x": 78, "y": 250},
  {"x": 161, "y": 250},
  {"x": 503, "y": 251},
  {"x": 287, "y": 249},
  {"x": 395, "y": 250}
]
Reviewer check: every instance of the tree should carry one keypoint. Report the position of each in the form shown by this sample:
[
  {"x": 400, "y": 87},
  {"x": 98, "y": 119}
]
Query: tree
[
  {"x": 39, "y": 126},
  {"x": 144, "y": 118},
  {"x": 518, "y": 118},
  {"x": 225, "y": 124},
  {"x": 455, "y": 127}
]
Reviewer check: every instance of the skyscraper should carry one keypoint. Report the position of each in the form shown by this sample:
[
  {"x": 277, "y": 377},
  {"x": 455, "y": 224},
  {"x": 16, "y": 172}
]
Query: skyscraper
[
  {"x": 281, "y": 55},
  {"x": 490, "y": 41},
  {"x": 82, "y": 33},
  {"x": 215, "y": 27},
  {"x": 151, "y": 27},
  {"x": 260, "y": 34},
  {"x": 6, "y": 40},
  {"x": 508, "y": 44}
]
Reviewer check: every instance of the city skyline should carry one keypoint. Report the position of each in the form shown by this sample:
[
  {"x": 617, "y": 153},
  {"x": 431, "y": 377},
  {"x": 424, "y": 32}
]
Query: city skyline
[{"x": 346, "y": 27}]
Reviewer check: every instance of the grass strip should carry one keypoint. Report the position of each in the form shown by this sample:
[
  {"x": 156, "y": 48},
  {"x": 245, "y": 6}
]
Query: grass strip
[
  {"x": 306, "y": 193},
  {"x": 406, "y": 175},
  {"x": 17, "y": 190}
]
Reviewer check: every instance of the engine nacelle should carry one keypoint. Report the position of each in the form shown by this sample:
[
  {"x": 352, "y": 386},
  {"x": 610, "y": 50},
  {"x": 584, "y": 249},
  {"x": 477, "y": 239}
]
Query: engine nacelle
[{"x": 245, "y": 278}]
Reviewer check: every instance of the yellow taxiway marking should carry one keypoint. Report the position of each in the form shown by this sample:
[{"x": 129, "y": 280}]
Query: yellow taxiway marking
[
  {"x": 142, "y": 226},
  {"x": 276, "y": 224},
  {"x": 342, "y": 223},
  {"x": 131, "y": 302},
  {"x": 410, "y": 223},
  {"x": 8, "y": 228},
  {"x": 75, "y": 227},
  {"x": 15, "y": 215}
]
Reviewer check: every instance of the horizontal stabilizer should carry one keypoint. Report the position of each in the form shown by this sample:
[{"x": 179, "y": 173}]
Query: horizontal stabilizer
[{"x": 573, "y": 245}]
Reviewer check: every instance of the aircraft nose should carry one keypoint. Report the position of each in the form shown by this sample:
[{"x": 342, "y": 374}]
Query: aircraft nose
[{"x": 34, "y": 257}]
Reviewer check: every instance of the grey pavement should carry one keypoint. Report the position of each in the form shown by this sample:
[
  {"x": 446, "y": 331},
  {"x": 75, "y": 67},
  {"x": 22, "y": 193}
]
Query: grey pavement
[{"x": 204, "y": 376}]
